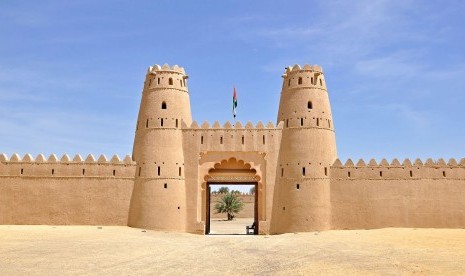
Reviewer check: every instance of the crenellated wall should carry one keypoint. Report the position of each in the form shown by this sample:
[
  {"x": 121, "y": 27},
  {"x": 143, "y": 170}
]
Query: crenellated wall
[
  {"x": 65, "y": 191},
  {"x": 429, "y": 194},
  {"x": 233, "y": 137}
]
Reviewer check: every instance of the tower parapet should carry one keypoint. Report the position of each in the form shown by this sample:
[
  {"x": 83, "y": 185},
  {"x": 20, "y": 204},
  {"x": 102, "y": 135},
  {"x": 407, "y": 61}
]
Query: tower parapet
[
  {"x": 308, "y": 149},
  {"x": 159, "y": 196}
]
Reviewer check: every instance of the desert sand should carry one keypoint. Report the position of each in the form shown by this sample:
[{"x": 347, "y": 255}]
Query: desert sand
[{"x": 26, "y": 250}]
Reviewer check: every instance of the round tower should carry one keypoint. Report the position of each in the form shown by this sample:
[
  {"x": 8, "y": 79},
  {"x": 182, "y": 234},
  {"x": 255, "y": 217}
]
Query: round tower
[
  {"x": 308, "y": 148},
  {"x": 159, "y": 197}
]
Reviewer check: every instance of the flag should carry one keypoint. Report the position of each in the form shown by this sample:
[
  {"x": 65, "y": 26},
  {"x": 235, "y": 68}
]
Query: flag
[{"x": 234, "y": 102}]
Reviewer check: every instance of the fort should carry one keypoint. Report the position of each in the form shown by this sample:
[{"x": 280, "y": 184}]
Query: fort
[{"x": 300, "y": 183}]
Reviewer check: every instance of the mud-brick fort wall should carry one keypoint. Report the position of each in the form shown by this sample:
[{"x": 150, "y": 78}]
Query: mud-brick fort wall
[
  {"x": 66, "y": 191},
  {"x": 372, "y": 195}
]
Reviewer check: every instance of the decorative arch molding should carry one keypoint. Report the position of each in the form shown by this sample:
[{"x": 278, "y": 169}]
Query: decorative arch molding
[{"x": 232, "y": 171}]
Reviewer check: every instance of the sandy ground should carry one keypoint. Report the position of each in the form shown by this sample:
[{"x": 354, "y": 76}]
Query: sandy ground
[
  {"x": 235, "y": 227},
  {"x": 26, "y": 250}
]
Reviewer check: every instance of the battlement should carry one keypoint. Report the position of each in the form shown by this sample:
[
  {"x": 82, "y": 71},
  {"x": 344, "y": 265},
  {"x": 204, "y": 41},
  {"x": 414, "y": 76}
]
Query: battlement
[
  {"x": 229, "y": 137},
  {"x": 65, "y": 166},
  {"x": 229, "y": 126},
  {"x": 165, "y": 68},
  {"x": 417, "y": 169},
  {"x": 297, "y": 68},
  {"x": 298, "y": 77}
]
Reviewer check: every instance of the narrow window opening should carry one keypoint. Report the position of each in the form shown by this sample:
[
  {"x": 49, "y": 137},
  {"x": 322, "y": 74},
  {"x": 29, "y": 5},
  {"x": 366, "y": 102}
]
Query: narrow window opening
[
  {"x": 263, "y": 139},
  {"x": 165, "y": 185},
  {"x": 184, "y": 82},
  {"x": 83, "y": 171},
  {"x": 201, "y": 140},
  {"x": 329, "y": 123},
  {"x": 310, "y": 105},
  {"x": 22, "y": 171},
  {"x": 53, "y": 171},
  {"x": 287, "y": 122},
  {"x": 301, "y": 121},
  {"x": 161, "y": 122},
  {"x": 242, "y": 139},
  {"x": 381, "y": 173},
  {"x": 311, "y": 80},
  {"x": 158, "y": 81},
  {"x": 179, "y": 207},
  {"x": 147, "y": 123},
  {"x": 158, "y": 170},
  {"x": 289, "y": 82},
  {"x": 176, "y": 123},
  {"x": 140, "y": 170},
  {"x": 317, "y": 121},
  {"x": 300, "y": 80},
  {"x": 180, "y": 81},
  {"x": 221, "y": 140},
  {"x": 411, "y": 174},
  {"x": 163, "y": 105},
  {"x": 170, "y": 81},
  {"x": 114, "y": 172},
  {"x": 298, "y": 186},
  {"x": 303, "y": 171},
  {"x": 348, "y": 174},
  {"x": 150, "y": 82},
  {"x": 443, "y": 173},
  {"x": 284, "y": 208},
  {"x": 326, "y": 171},
  {"x": 282, "y": 171},
  {"x": 180, "y": 171},
  {"x": 321, "y": 82}
]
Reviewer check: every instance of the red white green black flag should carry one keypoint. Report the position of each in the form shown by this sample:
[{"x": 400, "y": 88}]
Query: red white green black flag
[{"x": 234, "y": 102}]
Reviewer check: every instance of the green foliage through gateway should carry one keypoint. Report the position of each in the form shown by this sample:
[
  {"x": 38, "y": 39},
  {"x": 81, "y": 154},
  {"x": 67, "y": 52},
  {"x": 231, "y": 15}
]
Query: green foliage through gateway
[{"x": 229, "y": 204}]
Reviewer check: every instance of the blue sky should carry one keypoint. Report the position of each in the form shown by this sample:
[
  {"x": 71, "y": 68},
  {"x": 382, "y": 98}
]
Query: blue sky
[{"x": 71, "y": 72}]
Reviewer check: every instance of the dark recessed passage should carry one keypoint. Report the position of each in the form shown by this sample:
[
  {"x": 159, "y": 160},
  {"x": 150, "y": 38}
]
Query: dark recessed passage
[{"x": 165, "y": 185}]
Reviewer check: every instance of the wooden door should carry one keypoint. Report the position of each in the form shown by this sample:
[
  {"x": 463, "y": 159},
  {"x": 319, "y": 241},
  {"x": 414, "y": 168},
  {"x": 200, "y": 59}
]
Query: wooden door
[{"x": 207, "y": 218}]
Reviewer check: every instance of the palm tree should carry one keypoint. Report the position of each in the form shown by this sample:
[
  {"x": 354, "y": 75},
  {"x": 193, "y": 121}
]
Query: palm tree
[
  {"x": 229, "y": 204},
  {"x": 223, "y": 190}
]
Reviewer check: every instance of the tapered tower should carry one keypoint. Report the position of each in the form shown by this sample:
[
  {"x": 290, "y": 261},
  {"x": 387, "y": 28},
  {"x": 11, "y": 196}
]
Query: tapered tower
[
  {"x": 159, "y": 196},
  {"x": 308, "y": 148}
]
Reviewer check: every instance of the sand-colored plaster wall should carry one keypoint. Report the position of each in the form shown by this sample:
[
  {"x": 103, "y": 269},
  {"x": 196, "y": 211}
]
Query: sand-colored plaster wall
[
  {"x": 65, "y": 192},
  {"x": 395, "y": 195}
]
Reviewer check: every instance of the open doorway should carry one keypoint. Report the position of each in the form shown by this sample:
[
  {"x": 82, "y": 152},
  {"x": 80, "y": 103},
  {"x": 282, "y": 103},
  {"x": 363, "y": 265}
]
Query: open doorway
[{"x": 232, "y": 209}]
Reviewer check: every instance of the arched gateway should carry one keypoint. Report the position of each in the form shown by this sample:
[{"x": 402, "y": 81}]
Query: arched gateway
[{"x": 232, "y": 172}]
